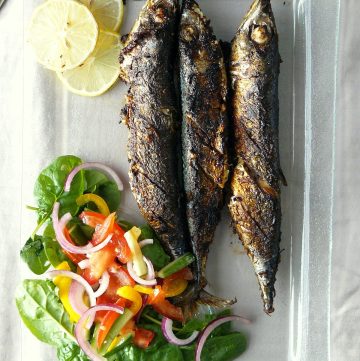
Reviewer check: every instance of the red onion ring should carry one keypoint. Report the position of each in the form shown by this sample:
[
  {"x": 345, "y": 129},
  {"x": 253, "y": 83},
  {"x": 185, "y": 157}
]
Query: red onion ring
[
  {"x": 151, "y": 272},
  {"x": 97, "y": 166},
  {"x": 76, "y": 277},
  {"x": 104, "y": 284},
  {"x": 80, "y": 327},
  {"x": 210, "y": 328},
  {"x": 166, "y": 327},
  {"x": 76, "y": 294},
  {"x": 146, "y": 242},
  {"x": 64, "y": 243},
  {"x": 141, "y": 281}
]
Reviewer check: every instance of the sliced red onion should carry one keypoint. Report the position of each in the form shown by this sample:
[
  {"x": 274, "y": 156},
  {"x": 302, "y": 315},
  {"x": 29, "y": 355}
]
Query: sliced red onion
[
  {"x": 210, "y": 328},
  {"x": 166, "y": 327},
  {"x": 78, "y": 278},
  {"x": 97, "y": 166},
  {"x": 64, "y": 243},
  {"x": 76, "y": 297},
  {"x": 80, "y": 328},
  {"x": 104, "y": 284},
  {"x": 141, "y": 281},
  {"x": 85, "y": 263},
  {"x": 146, "y": 242},
  {"x": 150, "y": 269}
]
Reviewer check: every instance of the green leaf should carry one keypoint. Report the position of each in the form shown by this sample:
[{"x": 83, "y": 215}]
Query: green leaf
[
  {"x": 43, "y": 313},
  {"x": 154, "y": 252},
  {"x": 49, "y": 187},
  {"x": 109, "y": 191},
  {"x": 219, "y": 348},
  {"x": 53, "y": 251},
  {"x": 199, "y": 323},
  {"x": 94, "y": 179},
  {"x": 33, "y": 254},
  {"x": 71, "y": 352}
]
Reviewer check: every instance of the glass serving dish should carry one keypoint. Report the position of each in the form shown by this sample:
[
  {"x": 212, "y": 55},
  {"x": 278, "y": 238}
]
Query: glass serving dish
[{"x": 56, "y": 122}]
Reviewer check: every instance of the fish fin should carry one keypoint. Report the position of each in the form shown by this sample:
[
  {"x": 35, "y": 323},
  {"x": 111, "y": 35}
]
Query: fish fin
[
  {"x": 192, "y": 299},
  {"x": 283, "y": 179}
]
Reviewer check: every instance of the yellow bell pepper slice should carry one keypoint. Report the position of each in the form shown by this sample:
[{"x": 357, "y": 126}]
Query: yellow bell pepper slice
[
  {"x": 132, "y": 237},
  {"x": 142, "y": 289},
  {"x": 63, "y": 284},
  {"x": 99, "y": 202},
  {"x": 174, "y": 287},
  {"x": 130, "y": 294}
]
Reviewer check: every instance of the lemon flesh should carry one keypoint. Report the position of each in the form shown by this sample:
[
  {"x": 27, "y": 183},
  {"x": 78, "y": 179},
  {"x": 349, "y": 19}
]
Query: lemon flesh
[
  {"x": 63, "y": 34},
  {"x": 108, "y": 13},
  {"x": 99, "y": 71}
]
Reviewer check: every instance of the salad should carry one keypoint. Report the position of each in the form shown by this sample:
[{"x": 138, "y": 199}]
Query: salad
[{"x": 107, "y": 289}]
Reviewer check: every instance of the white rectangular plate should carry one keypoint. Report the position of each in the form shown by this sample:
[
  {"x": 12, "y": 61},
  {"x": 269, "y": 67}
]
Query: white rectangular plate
[{"x": 55, "y": 122}]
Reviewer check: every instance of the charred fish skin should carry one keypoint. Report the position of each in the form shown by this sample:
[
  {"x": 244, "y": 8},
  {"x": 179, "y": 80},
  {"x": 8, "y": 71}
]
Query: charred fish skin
[
  {"x": 204, "y": 130},
  {"x": 255, "y": 185},
  {"x": 152, "y": 116}
]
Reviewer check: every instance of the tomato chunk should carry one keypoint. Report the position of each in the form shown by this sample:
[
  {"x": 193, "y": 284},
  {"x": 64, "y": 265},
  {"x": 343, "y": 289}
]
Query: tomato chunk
[
  {"x": 161, "y": 305},
  {"x": 143, "y": 338}
]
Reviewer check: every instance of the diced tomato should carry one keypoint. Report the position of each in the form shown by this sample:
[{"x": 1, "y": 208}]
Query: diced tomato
[
  {"x": 118, "y": 242},
  {"x": 161, "y": 305},
  {"x": 92, "y": 219},
  {"x": 87, "y": 274},
  {"x": 121, "y": 247},
  {"x": 184, "y": 274},
  {"x": 143, "y": 337},
  {"x": 108, "y": 319},
  {"x": 119, "y": 277},
  {"x": 100, "y": 261},
  {"x": 103, "y": 230}
]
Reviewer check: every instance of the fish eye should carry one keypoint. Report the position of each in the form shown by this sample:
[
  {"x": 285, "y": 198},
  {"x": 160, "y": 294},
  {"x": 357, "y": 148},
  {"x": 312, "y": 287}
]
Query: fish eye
[{"x": 260, "y": 34}]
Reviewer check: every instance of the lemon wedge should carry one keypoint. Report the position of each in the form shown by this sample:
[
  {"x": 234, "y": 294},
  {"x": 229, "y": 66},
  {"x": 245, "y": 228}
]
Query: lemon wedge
[
  {"x": 99, "y": 71},
  {"x": 108, "y": 13},
  {"x": 63, "y": 34}
]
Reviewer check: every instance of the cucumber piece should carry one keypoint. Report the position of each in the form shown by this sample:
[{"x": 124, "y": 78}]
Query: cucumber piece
[{"x": 176, "y": 265}]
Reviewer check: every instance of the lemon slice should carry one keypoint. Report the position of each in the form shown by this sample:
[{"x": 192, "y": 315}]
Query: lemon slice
[
  {"x": 99, "y": 71},
  {"x": 62, "y": 33},
  {"x": 108, "y": 13}
]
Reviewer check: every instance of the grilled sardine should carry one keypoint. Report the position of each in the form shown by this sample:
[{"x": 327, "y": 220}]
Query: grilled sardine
[
  {"x": 204, "y": 133},
  {"x": 153, "y": 119},
  {"x": 255, "y": 184}
]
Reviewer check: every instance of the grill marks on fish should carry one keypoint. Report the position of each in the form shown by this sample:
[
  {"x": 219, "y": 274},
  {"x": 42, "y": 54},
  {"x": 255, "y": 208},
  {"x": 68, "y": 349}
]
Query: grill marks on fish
[
  {"x": 152, "y": 116},
  {"x": 255, "y": 184},
  {"x": 204, "y": 131}
]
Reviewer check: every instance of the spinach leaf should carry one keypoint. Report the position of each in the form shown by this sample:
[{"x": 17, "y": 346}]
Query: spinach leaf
[
  {"x": 109, "y": 191},
  {"x": 33, "y": 254},
  {"x": 154, "y": 252},
  {"x": 49, "y": 187},
  {"x": 53, "y": 251},
  {"x": 43, "y": 313},
  {"x": 199, "y": 323},
  {"x": 71, "y": 352},
  {"x": 93, "y": 179},
  {"x": 219, "y": 348}
]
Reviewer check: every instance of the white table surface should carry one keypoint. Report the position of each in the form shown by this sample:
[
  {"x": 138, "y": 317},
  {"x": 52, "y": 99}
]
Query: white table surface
[{"x": 345, "y": 310}]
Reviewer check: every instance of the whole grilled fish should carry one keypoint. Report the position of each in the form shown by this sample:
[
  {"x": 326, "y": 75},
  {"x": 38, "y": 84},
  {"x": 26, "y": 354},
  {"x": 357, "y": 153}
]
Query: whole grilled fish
[
  {"x": 153, "y": 119},
  {"x": 255, "y": 184},
  {"x": 204, "y": 135}
]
